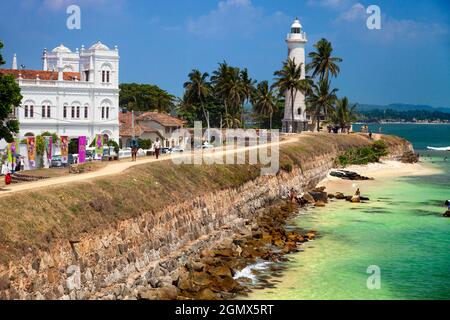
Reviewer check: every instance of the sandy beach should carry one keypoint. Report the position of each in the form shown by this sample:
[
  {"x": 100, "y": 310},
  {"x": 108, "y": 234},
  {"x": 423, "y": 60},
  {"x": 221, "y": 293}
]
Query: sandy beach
[{"x": 386, "y": 169}]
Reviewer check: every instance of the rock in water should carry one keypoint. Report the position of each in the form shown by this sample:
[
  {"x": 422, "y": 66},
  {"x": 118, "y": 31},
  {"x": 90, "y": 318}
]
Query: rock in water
[
  {"x": 356, "y": 199},
  {"x": 308, "y": 198}
]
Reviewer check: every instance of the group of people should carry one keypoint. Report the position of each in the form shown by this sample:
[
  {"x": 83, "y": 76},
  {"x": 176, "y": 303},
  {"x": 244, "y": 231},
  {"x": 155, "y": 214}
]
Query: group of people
[
  {"x": 135, "y": 148},
  {"x": 8, "y": 168}
]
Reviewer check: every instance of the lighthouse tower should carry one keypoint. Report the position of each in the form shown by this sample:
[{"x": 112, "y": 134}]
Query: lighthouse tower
[{"x": 296, "y": 41}]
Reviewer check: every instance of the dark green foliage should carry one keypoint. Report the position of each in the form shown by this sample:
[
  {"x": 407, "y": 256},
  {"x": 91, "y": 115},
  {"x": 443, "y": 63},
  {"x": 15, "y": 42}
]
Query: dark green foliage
[
  {"x": 145, "y": 97},
  {"x": 112, "y": 143},
  {"x": 145, "y": 143},
  {"x": 10, "y": 98},
  {"x": 409, "y": 115},
  {"x": 364, "y": 155}
]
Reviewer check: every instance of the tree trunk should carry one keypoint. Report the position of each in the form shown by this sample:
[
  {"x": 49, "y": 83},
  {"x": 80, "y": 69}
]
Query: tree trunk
[
  {"x": 226, "y": 113},
  {"x": 270, "y": 121},
  {"x": 292, "y": 109}
]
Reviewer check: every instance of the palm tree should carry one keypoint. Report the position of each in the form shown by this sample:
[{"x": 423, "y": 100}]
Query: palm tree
[
  {"x": 248, "y": 88},
  {"x": 264, "y": 100},
  {"x": 320, "y": 100},
  {"x": 343, "y": 115},
  {"x": 322, "y": 63},
  {"x": 198, "y": 90},
  {"x": 218, "y": 80},
  {"x": 289, "y": 80},
  {"x": 234, "y": 92}
]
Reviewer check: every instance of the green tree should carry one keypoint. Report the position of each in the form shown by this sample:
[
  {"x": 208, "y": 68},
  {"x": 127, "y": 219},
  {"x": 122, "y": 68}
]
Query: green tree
[
  {"x": 10, "y": 98},
  {"x": 198, "y": 90},
  {"x": 218, "y": 80},
  {"x": 289, "y": 80},
  {"x": 145, "y": 97},
  {"x": 320, "y": 100},
  {"x": 322, "y": 63},
  {"x": 248, "y": 89},
  {"x": 343, "y": 115},
  {"x": 264, "y": 101}
]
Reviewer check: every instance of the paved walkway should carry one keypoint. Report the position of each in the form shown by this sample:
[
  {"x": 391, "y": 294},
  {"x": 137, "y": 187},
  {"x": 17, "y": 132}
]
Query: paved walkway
[{"x": 119, "y": 167}]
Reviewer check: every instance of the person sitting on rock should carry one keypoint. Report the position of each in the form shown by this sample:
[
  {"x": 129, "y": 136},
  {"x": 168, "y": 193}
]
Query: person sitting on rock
[{"x": 358, "y": 192}]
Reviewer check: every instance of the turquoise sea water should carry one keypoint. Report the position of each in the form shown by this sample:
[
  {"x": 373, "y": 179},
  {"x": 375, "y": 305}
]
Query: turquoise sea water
[{"x": 401, "y": 230}]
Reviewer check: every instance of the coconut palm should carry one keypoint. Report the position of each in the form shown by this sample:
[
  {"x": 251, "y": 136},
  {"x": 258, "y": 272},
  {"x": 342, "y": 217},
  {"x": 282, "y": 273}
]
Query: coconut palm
[
  {"x": 232, "y": 88},
  {"x": 343, "y": 114},
  {"x": 289, "y": 80},
  {"x": 248, "y": 88},
  {"x": 218, "y": 80},
  {"x": 322, "y": 63},
  {"x": 320, "y": 100},
  {"x": 198, "y": 90},
  {"x": 264, "y": 100}
]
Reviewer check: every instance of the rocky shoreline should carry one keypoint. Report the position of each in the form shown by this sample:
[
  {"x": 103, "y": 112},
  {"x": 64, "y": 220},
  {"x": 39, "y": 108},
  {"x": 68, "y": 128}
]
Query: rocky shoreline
[
  {"x": 217, "y": 273},
  {"x": 212, "y": 274}
]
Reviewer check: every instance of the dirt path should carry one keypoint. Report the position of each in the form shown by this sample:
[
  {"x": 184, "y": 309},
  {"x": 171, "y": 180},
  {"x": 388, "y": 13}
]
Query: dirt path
[{"x": 119, "y": 167}]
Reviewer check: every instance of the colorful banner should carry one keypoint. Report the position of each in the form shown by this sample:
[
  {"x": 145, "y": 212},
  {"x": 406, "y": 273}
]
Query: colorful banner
[
  {"x": 14, "y": 153},
  {"x": 10, "y": 156},
  {"x": 82, "y": 149},
  {"x": 49, "y": 147},
  {"x": 99, "y": 147},
  {"x": 31, "y": 147},
  {"x": 64, "y": 149}
]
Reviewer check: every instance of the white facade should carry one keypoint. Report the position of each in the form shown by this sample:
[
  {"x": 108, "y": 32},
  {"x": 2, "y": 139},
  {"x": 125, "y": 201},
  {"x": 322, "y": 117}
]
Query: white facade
[
  {"x": 296, "y": 41},
  {"x": 77, "y": 95}
]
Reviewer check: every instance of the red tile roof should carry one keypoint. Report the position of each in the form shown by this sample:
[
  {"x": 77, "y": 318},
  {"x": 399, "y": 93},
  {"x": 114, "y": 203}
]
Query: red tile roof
[
  {"x": 43, "y": 75},
  {"x": 162, "y": 118},
  {"x": 126, "y": 129}
]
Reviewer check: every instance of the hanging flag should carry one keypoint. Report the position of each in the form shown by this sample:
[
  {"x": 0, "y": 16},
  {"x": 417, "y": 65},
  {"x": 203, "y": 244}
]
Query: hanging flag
[
  {"x": 82, "y": 149},
  {"x": 14, "y": 153},
  {"x": 99, "y": 147},
  {"x": 31, "y": 147},
  {"x": 49, "y": 147},
  {"x": 10, "y": 156},
  {"x": 64, "y": 149}
]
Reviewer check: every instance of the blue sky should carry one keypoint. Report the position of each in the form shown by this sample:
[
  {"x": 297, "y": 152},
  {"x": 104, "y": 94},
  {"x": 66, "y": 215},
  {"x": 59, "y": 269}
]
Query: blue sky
[{"x": 407, "y": 61}]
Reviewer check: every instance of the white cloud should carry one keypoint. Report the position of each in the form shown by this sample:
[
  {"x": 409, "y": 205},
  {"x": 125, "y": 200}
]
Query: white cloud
[
  {"x": 240, "y": 17},
  {"x": 55, "y": 5},
  {"x": 356, "y": 12},
  {"x": 332, "y": 4}
]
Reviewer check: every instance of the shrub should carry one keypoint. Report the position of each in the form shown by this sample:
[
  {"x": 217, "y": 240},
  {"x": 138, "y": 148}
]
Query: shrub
[{"x": 364, "y": 155}]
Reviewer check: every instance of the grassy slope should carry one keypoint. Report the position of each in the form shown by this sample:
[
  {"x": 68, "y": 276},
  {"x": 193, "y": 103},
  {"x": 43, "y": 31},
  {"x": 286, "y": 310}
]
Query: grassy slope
[{"x": 32, "y": 220}]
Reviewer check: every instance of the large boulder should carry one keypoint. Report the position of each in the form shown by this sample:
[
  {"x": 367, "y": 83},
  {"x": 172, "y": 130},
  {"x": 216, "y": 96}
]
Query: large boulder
[
  {"x": 319, "y": 196},
  {"x": 308, "y": 198}
]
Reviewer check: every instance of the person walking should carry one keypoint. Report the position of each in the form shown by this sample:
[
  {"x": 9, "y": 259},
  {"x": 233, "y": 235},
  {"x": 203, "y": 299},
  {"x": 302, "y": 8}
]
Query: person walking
[
  {"x": 134, "y": 150},
  {"x": 22, "y": 163},
  {"x": 157, "y": 147}
]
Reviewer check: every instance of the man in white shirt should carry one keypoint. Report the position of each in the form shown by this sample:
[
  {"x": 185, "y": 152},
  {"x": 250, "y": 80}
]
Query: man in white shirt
[{"x": 157, "y": 147}]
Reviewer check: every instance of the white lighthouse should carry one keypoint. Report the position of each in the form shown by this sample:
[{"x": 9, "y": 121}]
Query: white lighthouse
[{"x": 296, "y": 41}]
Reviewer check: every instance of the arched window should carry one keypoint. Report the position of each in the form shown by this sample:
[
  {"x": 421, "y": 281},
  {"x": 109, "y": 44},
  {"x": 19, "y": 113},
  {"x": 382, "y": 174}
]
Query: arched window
[
  {"x": 106, "y": 73},
  {"x": 299, "y": 111},
  {"x": 86, "y": 112},
  {"x": 26, "y": 111},
  {"x": 49, "y": 111},
  {"x": 31, "y": 111},
  {"x": 72, "y": 113},
  {"x": 106, "y": 108},
  {"x": 78, "y": 112},
  {"x": 65, "y": 112}
]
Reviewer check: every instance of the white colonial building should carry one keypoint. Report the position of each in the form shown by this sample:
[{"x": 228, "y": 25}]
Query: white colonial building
[
  {"x": 75, "y": 94},
  {"x": 296, "y": 41}
]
